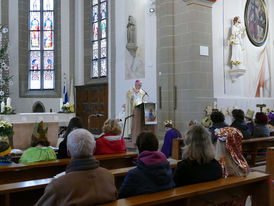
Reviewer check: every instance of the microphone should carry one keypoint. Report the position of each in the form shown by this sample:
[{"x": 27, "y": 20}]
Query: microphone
[{"x": 146, "y": 93}]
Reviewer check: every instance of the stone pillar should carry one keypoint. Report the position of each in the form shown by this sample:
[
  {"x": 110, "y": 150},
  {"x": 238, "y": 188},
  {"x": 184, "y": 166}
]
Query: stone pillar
[{"x": 186, "y": 77}]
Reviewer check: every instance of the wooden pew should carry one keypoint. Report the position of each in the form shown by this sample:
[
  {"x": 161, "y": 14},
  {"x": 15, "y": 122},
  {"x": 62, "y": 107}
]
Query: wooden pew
[
  {"x": 28, "y": 192},
  {"x": 39, "y": 170},
  {"x": 176, "y": 148},
  {"x": 251, "y": 146},
  {"x": 208, "y": 193},
  {"x": 270, "y": 170}
]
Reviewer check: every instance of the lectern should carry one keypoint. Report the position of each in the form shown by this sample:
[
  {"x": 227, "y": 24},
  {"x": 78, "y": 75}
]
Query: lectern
[{"x": 144, "y": 119}]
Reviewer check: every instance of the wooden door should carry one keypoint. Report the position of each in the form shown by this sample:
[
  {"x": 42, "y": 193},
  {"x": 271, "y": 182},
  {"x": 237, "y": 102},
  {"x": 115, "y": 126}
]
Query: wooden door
[{"x": 92, "y": 106}]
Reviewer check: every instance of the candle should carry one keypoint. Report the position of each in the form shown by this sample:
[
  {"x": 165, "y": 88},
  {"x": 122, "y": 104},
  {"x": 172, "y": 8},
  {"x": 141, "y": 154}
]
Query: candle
[
  {"x": 8, "y": 101},
  {"x": 215, "y": 105},
  {"x": 61, "y": 103},
  {"x": 261, "y": 92},
  {"x": 2, "y": 107}
]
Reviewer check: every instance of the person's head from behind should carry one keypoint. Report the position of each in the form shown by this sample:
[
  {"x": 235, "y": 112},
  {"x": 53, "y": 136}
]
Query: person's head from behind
[
  {"x": 111, "y": 126},
  {"x": 168, "y": 124},
  {"x": 238, "y": 115},
  {"x": 4, "y": 148},
  {"x": 217, "y": 117},
  {"x": 80, "y": 144},
  {"x": 147, "y": 141},
  {"x": 74, "y": 123},
  {"x": 39, "y": 135},
  {"x": 261, "y": 118},
  {"x": 198, "y": 144}
]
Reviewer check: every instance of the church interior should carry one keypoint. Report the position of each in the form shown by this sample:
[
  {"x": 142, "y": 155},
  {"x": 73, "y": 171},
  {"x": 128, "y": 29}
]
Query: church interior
[{"x": 154, "y": 66}]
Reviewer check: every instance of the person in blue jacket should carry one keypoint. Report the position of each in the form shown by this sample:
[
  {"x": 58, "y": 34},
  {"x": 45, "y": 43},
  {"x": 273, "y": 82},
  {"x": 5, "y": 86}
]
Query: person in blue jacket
[{"x": 152, "y": 174}]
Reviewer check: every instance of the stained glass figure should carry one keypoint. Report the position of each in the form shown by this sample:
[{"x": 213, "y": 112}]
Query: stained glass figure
[
  {"x": 103, "y": 67},
  {"x": 104, "y": 28},
  {"x": 48, "y": 60},
  {"x": 95, "y": 13},
  {"x": 35, "y": 21},
  {"x": 95, "y": 71},
  {"x": 95, "y": 50},
  {"x": 103, "y": 48},
  {"x": 94, "y": 2},
  {"x": 48, "y": 80},
  {"x": 48, "y": 4},
  {"x": 48, "y": 40},
  {"x": 35, "y": 80},
  {"x": 48, "y": 20},
  {"x": 34, "y": 5},
  {"x": 34, "y": 40},
  {"x": 95, "y": 31},
  {"x": 103, "y": 8},
  {"x": 35, "y": 60}
]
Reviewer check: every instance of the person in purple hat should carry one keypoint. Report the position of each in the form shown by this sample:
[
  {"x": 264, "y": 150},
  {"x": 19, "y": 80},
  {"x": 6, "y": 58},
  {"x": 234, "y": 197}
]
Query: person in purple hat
[
  {"x": 152, "y": 174},
  {"x": 271, "y": 118}
]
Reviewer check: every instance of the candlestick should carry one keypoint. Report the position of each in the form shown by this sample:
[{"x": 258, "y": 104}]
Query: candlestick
[
  {"x": 8, "y": 101},
  {"x": 2, "y": 107},
  {"x": 61, "y": 104}
]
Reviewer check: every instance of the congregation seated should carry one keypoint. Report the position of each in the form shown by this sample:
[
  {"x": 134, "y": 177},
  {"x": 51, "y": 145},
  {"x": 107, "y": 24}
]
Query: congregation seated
[
  {"x": 84, "y": 183},
  {"x": 228, "y": 153},
  {"x": 171, "y": 133},
  {"x": 261, "y": 129},
  {"x": 74, "y": 123},
  {"x": 5, "y": 158},
  {"x": 249, "y": 121},
  {"x": 239, "y": 123},
  {"x": 218, "y": 121},
  {"x": 111, "y": 141},
  {"x": 271, "y": 121},
  {"x": 153, "y": 172},
  {"x": 39, "y": 150},
  {"x": 198, "y": 164}
]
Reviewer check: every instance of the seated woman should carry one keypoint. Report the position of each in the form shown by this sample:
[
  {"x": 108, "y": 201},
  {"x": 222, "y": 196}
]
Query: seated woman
[
  {"x": 239, "y": 123},
  {"x": 111, "y": 141},
  {"x": 5, "y": 158},
  {"x": 39, "y": 150},
  {"x": 152, "y": 174},
  {"x": 74, "y": 123},
  {"x": 261, "y": 129},
  {"x": 198, "y": 164},
  {"x": 228, "y": 153},
  {"x": 171, "y": 133}
]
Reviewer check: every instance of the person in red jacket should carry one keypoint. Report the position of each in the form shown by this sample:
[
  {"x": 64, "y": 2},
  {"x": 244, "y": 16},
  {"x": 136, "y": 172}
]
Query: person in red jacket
[{"x": 110, "y": 141}]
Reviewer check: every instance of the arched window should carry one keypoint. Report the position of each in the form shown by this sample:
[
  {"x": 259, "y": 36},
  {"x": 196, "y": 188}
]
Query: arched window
[
  {"x": 99, "y": 39},
  {"x": 41, "y": 73}
]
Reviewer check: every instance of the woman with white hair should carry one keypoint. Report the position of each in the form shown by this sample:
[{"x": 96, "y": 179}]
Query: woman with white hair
[
  {"x": 229, "y": 154},
  {"x": 198, "y": 164}
]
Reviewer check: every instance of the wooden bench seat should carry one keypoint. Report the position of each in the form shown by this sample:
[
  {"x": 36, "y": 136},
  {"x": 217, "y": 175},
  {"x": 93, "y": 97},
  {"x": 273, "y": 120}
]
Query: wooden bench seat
[
  {"x": 30, "y": 191},
  {"x": 251, "y": 146},
  {"x": 270, "y": 170},
  {"x": 39, "y": 170},
  {"x": 208, "y": 193}
]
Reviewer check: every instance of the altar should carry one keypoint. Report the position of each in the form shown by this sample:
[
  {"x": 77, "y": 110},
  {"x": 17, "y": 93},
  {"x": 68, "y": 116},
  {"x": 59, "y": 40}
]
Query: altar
[{"x": 23, "y": 124}]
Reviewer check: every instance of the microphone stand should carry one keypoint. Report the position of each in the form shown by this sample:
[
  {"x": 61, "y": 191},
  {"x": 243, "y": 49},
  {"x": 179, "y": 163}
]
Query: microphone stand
[{"x": 130, "y": 116}]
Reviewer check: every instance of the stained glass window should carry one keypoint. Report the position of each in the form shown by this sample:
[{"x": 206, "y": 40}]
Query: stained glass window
[
  {"x": 99, "y": 43},
  {"x": 41, "y": 45}
]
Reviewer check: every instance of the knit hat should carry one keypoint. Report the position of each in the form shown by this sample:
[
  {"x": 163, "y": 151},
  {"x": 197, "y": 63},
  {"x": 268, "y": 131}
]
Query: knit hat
[
  {"x": 249, "y": 114},
  {"x": 206, "y": 122},
  {"x": 233, "y": 140}
]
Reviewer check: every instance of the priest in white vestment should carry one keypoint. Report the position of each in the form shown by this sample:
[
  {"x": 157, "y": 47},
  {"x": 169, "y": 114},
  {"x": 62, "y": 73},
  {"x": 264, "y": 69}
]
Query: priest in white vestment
[{"x": 135, "y": 96}]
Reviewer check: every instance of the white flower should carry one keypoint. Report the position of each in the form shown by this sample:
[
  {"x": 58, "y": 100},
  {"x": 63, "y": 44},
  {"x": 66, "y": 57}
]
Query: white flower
[
  {"x": 2, "y": 93},
  {"x": 5, "y": 30}
]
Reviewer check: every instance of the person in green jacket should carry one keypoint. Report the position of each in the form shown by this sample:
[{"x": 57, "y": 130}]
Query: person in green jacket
[{"x": 39, "y": 150}]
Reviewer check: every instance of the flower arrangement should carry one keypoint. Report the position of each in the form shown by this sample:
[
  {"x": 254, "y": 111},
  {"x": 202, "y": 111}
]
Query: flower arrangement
[
  {"x": 67, "y": 108},
  {"x": 8, "y": 110},
  {"x": 6, "y": 129}
]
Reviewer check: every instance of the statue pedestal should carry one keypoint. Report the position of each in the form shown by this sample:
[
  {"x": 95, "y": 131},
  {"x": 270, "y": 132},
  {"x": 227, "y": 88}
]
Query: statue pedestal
[
  {"x": 236, "y": 73},
  {"x": 23, "y": 125}
]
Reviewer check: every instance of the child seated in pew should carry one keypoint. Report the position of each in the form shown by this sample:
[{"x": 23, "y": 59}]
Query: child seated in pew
[
  {"x": 39, "y": 150},
  {"x": 261, "y": 129},
  {"x": 152, "y": 174},
  {"x": 111, "y": 141},
  {"x": 5, "y": 158},
  {"x": 228, "y": 153},
  {"x": 198, "y": 164}
]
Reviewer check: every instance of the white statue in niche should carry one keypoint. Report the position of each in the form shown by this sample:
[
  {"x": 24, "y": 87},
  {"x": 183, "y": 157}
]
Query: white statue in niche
[{"x": 236, "y": 42}]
